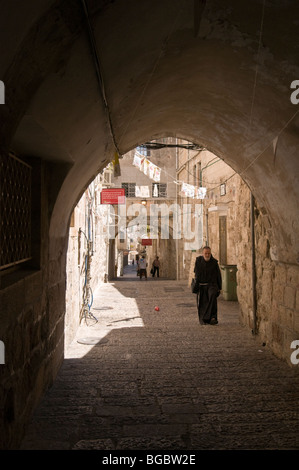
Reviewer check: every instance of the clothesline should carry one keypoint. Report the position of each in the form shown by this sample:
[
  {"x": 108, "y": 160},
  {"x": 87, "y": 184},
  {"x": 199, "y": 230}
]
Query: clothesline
[{"x": 154, "y": 172}]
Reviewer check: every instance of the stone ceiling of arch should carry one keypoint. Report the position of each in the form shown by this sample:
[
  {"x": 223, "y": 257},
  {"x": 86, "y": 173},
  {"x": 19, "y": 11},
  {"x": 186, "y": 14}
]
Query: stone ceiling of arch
[{"x": 159, "y": 77}]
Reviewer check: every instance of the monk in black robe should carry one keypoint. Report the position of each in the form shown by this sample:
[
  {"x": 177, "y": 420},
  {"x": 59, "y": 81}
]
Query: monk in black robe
[{"x": 208, "y": 278}]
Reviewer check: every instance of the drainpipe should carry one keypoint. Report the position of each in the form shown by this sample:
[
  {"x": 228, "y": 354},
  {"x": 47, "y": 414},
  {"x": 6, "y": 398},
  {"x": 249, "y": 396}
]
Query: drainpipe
[
  {"x": 253, "y": 272},
  {"x": 207, "y": 227},
  {"x": 176, "y": 200}
]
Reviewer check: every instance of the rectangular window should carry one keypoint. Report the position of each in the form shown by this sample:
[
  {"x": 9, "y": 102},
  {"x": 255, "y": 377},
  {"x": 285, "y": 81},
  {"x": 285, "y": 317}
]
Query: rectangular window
[
  {"x": 159, "y": 189},
  {"x": 223, "y": 189},
  {"x": 15, "y": 210},
  {"x": 129, "y": 189},
  {"x": 142, "y": 150}
]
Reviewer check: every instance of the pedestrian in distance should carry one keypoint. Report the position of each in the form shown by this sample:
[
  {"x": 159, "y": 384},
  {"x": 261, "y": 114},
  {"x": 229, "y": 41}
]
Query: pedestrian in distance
[
  {"x": 209, "y": 283},
  {"x": 156, "y": 267},
  {"x": 142, "y": 268}
]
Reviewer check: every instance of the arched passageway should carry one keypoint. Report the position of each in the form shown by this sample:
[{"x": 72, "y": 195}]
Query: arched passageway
[{"x": 85, "y": 79}]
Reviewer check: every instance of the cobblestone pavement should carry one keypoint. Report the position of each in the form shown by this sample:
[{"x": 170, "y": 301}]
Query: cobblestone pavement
[{"x": 141, "y": 379}]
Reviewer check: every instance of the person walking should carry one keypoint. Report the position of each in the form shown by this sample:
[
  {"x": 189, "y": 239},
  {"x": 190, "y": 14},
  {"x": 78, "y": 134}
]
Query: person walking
[
  {"x": 156, "y": 266},
  {"x": 209, "y": 282},
  {"x": 137, "y": 267},
  {"x": 142, "y": 268}
]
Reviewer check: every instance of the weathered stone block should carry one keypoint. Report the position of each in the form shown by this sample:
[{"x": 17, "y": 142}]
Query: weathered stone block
[
  {"x": 56, "y": 303},
  {"x": 33, "y": 287},
  {"x": 275, "y": 312},
  {"x": 289, "y": 318},
  {"x": 277, "y": 333},
  {"x": 289, "y": 297},
  {"x": 11, "y": 304},
  {"x": 280, "y": 273},
  {"x": 296, "y": 322},
  {"x": 292, "y": 278},
  {"x": 266, "y": 288},
  {"x": 278, "y": 290}
]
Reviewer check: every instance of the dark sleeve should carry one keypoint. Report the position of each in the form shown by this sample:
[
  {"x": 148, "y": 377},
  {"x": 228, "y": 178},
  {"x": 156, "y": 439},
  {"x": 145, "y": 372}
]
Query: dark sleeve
[
  {"x": 196, "y": 266},
  {"x": 219, "y": 278}
]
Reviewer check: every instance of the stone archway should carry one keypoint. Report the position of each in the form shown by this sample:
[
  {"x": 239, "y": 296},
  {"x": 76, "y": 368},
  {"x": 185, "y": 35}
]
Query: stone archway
[
  {"x": 251, "y": 125},
  {"x": 224, "y": 84}
]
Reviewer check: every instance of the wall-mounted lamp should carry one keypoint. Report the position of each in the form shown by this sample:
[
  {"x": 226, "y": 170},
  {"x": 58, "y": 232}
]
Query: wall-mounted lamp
[{"x": 144, "y": 202}]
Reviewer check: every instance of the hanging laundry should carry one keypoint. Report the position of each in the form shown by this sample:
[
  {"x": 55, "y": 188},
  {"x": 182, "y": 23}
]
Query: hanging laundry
[
  {"x": 151, "y": 170},
  {"x": 201, "y": 193},
  {"x": 157, "y": 174},
  {"x": 188, "y": 190},
  {"x": 137, "y": 161},
  {"x": 142, "y": 191},
  {"x": 145, "y": 166}
]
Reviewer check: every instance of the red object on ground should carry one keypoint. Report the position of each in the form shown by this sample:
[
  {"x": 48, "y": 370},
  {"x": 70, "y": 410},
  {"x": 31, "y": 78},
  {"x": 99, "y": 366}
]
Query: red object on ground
[{"x": 157, "y": 308}]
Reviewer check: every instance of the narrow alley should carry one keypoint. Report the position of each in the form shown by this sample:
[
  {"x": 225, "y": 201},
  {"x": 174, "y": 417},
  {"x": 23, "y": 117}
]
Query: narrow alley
[
  {"x": 136, "y": 378},
  {"x": 148, "y": 128}
]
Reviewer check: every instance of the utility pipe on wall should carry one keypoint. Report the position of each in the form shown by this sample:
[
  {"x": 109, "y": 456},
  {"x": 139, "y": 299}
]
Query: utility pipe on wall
[
  {"x": 207, "y": 227},
  {"x": 176, "y": 221},
  {"x": 253, "y": 269}
]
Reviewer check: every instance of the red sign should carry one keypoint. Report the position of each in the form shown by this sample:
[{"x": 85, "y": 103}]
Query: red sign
[
  {"x": 146, "y": 241},
  {"x": 113, "y": 196}
]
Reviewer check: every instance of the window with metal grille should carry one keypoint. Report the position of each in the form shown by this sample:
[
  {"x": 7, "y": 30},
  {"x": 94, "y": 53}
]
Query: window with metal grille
[
  {"x": 15, "y": 211},
  {"x": 159, "y": 189},
  {"x": 143, "y": 150},
  {"x": 129, "y": 189}
]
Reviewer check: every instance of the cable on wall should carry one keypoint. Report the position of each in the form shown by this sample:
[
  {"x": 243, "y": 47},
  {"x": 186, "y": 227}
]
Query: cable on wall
[{"x": 98, "y": 69}]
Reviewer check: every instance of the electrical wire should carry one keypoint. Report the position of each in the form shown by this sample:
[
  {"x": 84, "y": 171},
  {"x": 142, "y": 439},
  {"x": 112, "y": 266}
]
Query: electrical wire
[
  {"x": 158, "y": 146},
  {"x": 87, "y": 294},
  {"x": 99, "y": 74}
]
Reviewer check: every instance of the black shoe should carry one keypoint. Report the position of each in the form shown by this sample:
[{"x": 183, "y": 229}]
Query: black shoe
[{"x": 213, "y": 321}]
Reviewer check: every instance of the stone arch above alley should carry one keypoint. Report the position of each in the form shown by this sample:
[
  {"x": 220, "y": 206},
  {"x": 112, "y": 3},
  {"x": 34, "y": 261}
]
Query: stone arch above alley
[
  {"x": 225, "y": 86},
  {"x": 84, "y": 80}
]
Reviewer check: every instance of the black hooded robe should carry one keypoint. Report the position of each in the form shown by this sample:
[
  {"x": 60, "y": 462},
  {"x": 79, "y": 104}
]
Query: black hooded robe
[{"x": 208, "y": 277}]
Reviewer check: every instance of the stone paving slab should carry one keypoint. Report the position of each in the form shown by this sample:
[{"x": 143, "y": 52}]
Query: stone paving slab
[{"x": 157, "y": 380}]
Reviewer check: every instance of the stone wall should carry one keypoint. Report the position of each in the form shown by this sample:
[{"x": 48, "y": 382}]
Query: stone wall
[
  {"x": 31, "y": 324},
  {"x": 277, "y": 283},
  {"x": 243, "y": 250},
  {"x": 83, "y": 260}
]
